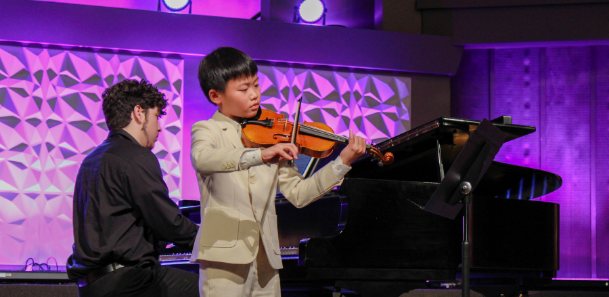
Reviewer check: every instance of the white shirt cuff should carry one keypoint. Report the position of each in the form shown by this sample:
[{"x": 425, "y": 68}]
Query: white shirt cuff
[
  {"x": 250, "y": 158},
  {"x": 339, "y": 168}
]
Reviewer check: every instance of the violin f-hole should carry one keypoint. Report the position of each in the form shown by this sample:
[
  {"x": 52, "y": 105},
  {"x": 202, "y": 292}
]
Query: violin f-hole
[{"x": 285, "y": 136}]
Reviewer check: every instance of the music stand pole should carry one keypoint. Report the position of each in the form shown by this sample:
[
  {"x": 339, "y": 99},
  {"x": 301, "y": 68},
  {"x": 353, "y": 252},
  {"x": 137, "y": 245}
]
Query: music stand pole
[{"x": 466, "y": 190}]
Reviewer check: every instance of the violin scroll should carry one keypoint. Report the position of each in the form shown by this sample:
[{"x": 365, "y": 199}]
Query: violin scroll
[{"x": 383, "y": 159}]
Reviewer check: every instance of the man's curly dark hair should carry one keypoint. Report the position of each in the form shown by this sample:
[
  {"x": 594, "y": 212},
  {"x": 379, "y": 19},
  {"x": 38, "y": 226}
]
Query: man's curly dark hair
[{"x": 120, "y": 99}]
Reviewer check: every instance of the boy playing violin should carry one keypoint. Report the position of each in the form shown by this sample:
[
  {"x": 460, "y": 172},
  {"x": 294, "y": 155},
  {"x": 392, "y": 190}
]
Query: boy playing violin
[{"x": 237, "y": 246}]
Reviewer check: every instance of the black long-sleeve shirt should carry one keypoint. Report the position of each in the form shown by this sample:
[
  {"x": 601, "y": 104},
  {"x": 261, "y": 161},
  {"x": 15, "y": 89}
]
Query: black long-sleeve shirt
[{"x": 122, "y": 208}]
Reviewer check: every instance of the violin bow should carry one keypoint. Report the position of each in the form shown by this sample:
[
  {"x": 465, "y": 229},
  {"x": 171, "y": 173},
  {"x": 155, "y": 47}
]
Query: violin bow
[
  {"x": 295, "y": 126},
  {"x": 296, "y": 120}
]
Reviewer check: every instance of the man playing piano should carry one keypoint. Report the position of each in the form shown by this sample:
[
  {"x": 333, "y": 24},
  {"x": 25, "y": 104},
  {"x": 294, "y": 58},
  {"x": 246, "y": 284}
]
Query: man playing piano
[{"x": 122, "y": 208}]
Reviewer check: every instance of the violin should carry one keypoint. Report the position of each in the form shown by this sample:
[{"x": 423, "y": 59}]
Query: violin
[{"x": 313, "y": 139}]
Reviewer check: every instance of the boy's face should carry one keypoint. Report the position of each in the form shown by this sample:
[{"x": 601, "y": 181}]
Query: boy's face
[{"x": 240, "y": 99}]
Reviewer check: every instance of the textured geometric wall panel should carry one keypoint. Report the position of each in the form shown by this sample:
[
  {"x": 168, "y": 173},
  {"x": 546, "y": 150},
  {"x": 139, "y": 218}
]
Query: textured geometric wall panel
[
  {"x": 564, "y": 92},
  {"x": 50, "y": 118},
  {"x": 374, "y": 106}
]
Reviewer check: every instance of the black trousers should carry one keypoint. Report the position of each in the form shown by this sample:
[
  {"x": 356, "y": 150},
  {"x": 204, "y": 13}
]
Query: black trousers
[{"x": 135, "y": 281}]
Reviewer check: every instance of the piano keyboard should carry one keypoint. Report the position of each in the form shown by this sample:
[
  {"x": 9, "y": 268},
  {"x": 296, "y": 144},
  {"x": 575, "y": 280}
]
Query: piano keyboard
[
  {"x": 287, "y": 253},
  {"x": 175, "y": 258}
]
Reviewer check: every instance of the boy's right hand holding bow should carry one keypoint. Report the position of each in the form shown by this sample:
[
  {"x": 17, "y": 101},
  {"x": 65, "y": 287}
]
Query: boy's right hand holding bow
[{"x": 279, "y": 152}]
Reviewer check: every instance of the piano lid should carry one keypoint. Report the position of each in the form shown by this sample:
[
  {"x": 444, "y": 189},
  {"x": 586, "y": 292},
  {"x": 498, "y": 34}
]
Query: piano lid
[
  {"x": 445, "y": 125},
  {"x": 426, "y": 152}
]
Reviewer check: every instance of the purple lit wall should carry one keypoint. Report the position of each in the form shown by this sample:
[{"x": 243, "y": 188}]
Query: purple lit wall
[
  {"x": 50, "y": 118},
  {"x": 55, "y": 63},
  {"x": 374, "y": 106},
  {"x": 564, "y": 92}
]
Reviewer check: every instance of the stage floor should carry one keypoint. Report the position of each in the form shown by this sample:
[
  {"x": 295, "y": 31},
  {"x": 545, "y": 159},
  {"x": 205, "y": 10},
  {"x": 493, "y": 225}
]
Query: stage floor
[{"x": 46, "y": 284}]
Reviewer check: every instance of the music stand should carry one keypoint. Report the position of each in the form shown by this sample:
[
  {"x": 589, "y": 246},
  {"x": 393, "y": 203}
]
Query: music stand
[{"x": 460, "y": 181}]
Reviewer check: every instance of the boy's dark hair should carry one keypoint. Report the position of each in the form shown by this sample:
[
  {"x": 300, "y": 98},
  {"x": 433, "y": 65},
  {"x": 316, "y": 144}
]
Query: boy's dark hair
[
  {"x": 222, "y": 65},
  {"x": 120, "y": 99}
]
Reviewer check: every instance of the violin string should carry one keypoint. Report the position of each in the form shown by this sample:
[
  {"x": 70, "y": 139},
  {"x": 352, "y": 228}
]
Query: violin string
[
  {"x": 322, "y": 133},
  {"x": 325, "y": 134},
  {"x": 318, "y": 132}
]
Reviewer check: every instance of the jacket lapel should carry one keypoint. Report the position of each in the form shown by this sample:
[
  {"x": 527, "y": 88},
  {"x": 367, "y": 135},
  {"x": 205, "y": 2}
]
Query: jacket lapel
[{"x": 229, "y": 129}]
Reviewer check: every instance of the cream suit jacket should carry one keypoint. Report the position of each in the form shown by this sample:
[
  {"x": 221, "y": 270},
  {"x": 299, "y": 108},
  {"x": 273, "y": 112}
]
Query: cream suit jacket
[{"x": 238, "y": 206}]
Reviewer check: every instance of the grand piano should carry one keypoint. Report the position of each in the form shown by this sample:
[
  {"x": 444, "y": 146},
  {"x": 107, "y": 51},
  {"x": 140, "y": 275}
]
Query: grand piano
[{"x": 373, "y": 236}]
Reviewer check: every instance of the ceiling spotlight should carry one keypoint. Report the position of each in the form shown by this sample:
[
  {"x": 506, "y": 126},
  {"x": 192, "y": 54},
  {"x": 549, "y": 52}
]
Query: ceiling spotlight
[
  {"x": 175, "y": 5},
  {"x": 310, "y": 12}
]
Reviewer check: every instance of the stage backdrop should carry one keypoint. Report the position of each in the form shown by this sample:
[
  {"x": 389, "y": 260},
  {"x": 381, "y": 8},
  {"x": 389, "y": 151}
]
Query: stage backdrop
[
  {"x": 374, "y": 106},
  {"x": 51, "y": 117},
  {"x": 564, "y": 92}
]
